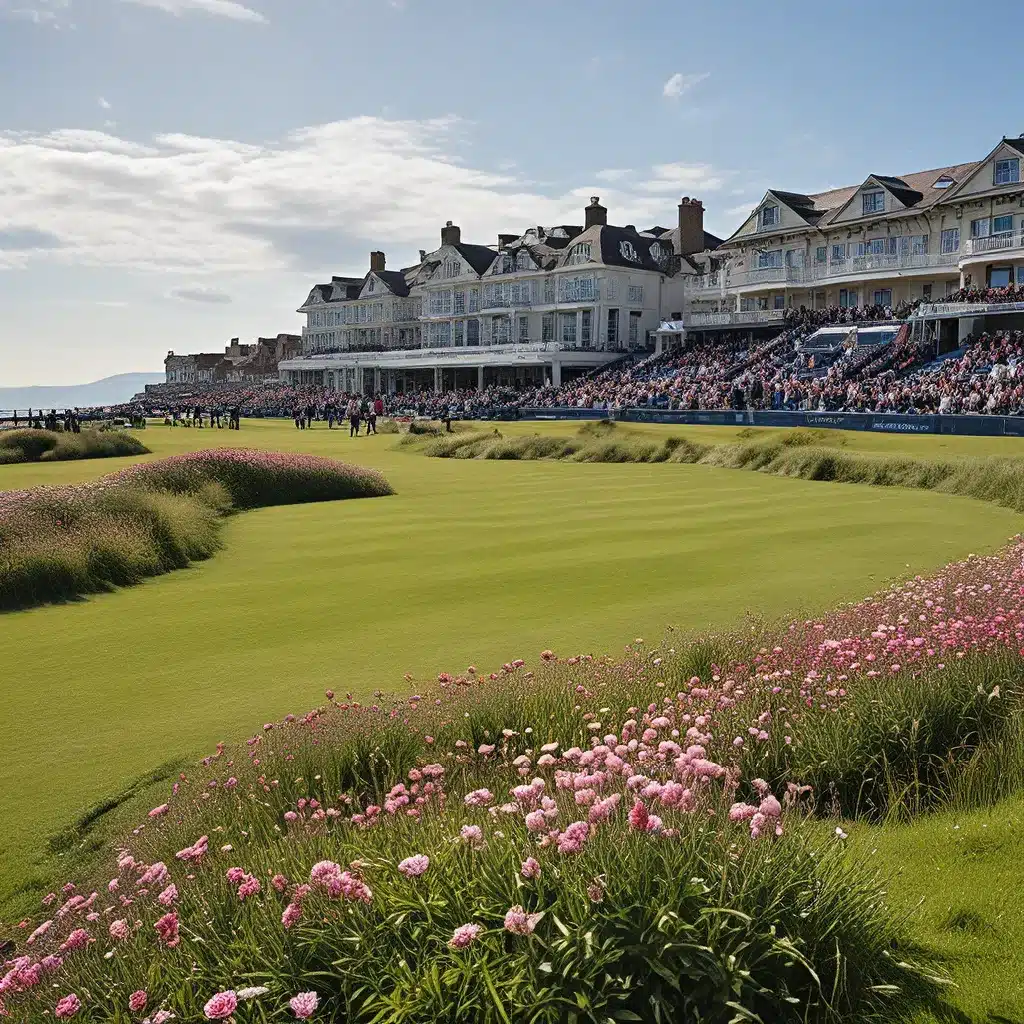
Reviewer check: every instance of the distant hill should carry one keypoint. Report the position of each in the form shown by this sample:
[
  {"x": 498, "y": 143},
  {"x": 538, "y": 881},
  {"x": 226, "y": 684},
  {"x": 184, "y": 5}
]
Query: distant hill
[{"x": 109, "y": 391}]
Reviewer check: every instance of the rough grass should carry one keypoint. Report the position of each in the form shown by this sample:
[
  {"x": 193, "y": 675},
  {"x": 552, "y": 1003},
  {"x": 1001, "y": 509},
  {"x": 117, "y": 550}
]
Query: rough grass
[
  {"x": 804, "y": 454},
  {"x": 61, "y": 543},
  {"x": 30, "y": 445}
]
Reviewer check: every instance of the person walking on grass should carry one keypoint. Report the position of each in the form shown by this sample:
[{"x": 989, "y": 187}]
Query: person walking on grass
[
  {"x": 364, "y": 412},
  {"x": 352, "y": 412}
]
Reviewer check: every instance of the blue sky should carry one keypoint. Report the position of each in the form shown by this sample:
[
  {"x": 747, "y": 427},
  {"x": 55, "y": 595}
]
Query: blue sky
[{"x": 174, "y": 173}]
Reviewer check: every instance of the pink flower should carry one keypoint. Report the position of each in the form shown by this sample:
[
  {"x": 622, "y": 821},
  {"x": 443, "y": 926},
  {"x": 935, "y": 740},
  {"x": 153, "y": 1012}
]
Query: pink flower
[
  {"x": 574, "y": 837},
  {"x": 479, "y": 797},
  {"x": 76, "y": 940},
  {"x": 472, "y": 834},
  {"x": 304, "y": 1004},
  {"x": 119, "y": 930},
  {"x": 249, "y": 887},
  {"x": 235, "y": 875},
  {"x": 519, "y": 922},
  {"x": 292, "y": 914},
  {"x": 137, "y": 1001},
  {"x": 413, "y": 867},
  {"x": 530, "y": 868},
  {"x": 464, "y": 936},
  {"x": 536, "y": 821},
  {"x": 167, "y": 928},
  {"x": 323, "y": 872},
  {"x": 168, "y": 896},
  {"x": 162, "y": 1016},
  {"x": 67, "y": 1007},
  {"x": 279, "y": 882},
  {"x": 159, "y": 812},
  {"x": 222, "y": 1005}
]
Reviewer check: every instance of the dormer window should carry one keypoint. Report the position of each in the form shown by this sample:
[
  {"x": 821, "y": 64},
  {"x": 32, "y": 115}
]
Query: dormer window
[
  {"x": 1006, "y": 172},
  {"x": 769, "y": 217},
  {"x": 579, "y": 254},
  {"x": 944, "y": 182},
  {"x": 874, "y": 202},
  {"x": 524, "y": 261},
  {"x": 658, "y": 252}
]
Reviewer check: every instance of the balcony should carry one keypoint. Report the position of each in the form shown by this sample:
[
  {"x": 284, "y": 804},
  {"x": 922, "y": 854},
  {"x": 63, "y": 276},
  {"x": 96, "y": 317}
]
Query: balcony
[
  {"x": 982, "y": 247},
  {"x": 501, "y": 302},
  {"x": 884, "y": 264},
  {"x": 875, "y": 264},
  {"x": 744, "y": 318}
]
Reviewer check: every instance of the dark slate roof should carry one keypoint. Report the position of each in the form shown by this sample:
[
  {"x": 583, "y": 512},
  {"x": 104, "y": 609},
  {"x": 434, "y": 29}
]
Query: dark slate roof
[
  {"x": 1017, "y": 144},
  {"x": 612, "y": 241},
  {"x": 395, "y": 281},
  {"x": 348, "y": 287},
  {"x": 479, "y": 257},
  {"x": 712, "y": 241},
  {"x": 900, "y": 189},
  {"x": 325, "y": 290}
]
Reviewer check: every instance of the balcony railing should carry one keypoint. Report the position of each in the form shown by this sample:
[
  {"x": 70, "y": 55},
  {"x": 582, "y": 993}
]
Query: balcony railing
[
  {"x": 816, "y": 273},
  {"x": 993, "y": 243},
  {"x": 883, "y": 262},
  {"x": 748, "y": 318}
]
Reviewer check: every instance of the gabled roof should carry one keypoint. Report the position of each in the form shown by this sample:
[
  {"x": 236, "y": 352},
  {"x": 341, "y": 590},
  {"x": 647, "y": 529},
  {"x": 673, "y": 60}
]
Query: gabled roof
[
  {"x": 1017, "y": 145},
  {"x": 394, "y": 281},
  {"x": 479, "y": 257}
]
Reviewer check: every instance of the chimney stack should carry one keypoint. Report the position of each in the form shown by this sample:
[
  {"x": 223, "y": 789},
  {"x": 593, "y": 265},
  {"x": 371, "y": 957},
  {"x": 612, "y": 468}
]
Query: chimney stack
[
  {"x": 451, "y": 234},
  {"x": 377, "y": 262},
  {"x": 691, "y": 226},
  {"x": 504, "y": 241},
  {"x": 595, "y": 213},
  {"x": 423, "y": 255}
]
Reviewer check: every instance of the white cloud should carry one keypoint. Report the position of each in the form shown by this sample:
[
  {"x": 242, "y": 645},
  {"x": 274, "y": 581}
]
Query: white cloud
[
  {"x": 680, "y": 83},
  {"x": 682, "y": 178},
  {"x": 612, "y": 174},
  {"x": 200, "y": 293},
  {"x": 104, "y": 104},
  {"x": 39, "y": 12},
  {"x": 315, "y": 201},
  {"x": 221, "y": 8}
]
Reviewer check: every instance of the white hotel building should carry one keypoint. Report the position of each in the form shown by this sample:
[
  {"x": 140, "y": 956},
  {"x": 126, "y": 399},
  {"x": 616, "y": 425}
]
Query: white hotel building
[
  {"x": 888, "y": 240},
  {"x": 538, "y": 307}
]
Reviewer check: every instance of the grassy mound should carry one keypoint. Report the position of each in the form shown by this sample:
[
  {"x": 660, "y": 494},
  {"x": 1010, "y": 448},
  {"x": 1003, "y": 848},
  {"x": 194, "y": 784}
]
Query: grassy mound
[
  {"x": 57, "y": 543},
  {"x": 804, "y": 454},
  {"x": 29, "y": 445}
]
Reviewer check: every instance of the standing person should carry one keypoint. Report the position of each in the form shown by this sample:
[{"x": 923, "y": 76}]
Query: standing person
[
  {"x": 15, "y": 419},
  {"x": 378, "y": 410},
  {"x": 297, "y": 416},
  {"x": 364, "y": 412},
  {"x": 331, "y": 412},
  {"x": 352, "y": 411},
  {"x": 309, "y": 417}
]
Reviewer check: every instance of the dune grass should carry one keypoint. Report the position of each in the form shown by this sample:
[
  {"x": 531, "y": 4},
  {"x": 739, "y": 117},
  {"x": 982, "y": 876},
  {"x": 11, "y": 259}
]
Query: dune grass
[
  {"x": 59, "y": 543},
  {"x": 30, "y": 445},
  {"x": 802, "y": 453}
]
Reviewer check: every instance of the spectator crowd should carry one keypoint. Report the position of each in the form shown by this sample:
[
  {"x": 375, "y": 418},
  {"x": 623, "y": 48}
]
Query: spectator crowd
[{"x": 720, "y": 371}]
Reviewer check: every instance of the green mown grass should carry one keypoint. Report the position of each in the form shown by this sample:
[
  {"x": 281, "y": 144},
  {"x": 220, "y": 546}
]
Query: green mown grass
[
  {"x": 473, "y": 561},
  {"x": 959, "y": 877}
]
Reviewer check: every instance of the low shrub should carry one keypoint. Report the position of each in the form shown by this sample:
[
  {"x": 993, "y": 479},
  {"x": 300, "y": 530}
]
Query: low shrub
[
  {"x": 31, "y": 445},
  {"x": 58, "y": 543}
]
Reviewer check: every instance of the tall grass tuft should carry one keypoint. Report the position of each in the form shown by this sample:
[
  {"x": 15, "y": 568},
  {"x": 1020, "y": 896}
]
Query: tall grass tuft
[
  {"x": 59, "y": 543},
  {"x": 30, "y": 445}
]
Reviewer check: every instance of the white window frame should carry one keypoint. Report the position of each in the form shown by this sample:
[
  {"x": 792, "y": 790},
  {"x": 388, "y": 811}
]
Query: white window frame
[
  {"x": 950, "y": 240},
  {"x": 869, "y": 202},
  {"x": 1006, "y": 171},
  {"x": 768, "y": 217},
  {"x": 579, "y": 253},
  {"x": 635, "y": 295}
]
